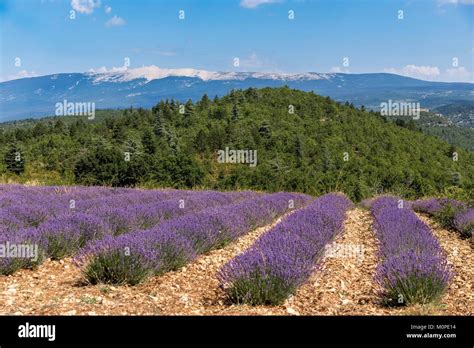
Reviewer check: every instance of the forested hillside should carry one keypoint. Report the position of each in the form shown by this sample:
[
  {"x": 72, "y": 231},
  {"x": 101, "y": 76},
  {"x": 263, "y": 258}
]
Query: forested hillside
[
  {"x": 304, "y": 143},
  {"x": 440, "y": 127}
]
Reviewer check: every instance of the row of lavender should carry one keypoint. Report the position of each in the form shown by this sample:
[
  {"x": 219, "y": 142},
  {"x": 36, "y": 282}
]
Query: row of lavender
[
  {"x": 123, "y": 209},
  {"x": 131, "y": 258},
  {"x": 62, "y": 220},
  {"x": 413, "y": 267},
  {"x": 284, "y": 257},
  {"x": 450, "y": 213}
]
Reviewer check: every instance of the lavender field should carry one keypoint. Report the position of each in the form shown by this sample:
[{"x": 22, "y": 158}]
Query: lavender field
[{"x": 242, "y": 252}]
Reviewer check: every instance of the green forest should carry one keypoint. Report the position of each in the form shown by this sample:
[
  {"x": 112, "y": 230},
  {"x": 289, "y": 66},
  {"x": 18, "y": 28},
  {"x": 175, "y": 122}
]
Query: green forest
[{"x": 304, "y": 142}]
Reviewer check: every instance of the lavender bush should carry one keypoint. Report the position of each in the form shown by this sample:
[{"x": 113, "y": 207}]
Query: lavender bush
[
  {"x": 464, "y": 222},
  {"x": 413, "y": 267},
  {"x": 63, "y": 235},
  {"x": 130, "y": 258},
  {"x": 284, "y": 257},
  {"x": 62, "y": 219},
  {"x": 449, "y": 213},
  {"x": 16, "y": 241},
  {"x": 178, "y": 241}
]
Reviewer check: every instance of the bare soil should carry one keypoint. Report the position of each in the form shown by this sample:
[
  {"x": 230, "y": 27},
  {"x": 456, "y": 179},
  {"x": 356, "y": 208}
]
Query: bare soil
[{"x": 343, "y": 284}]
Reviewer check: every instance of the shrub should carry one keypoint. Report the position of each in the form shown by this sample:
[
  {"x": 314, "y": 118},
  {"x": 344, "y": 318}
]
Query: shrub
[
  {"x": 176, "y": 242},
  {"x": 27, "y": 237},
  {"x": 116, "y": 268},
  {"x": 449, "y": 213},
  {"x": 413, "y": 267},
  {"x": 464, "y": 222},
  {"x": 284, "y": 257},
  {"x": 64, "y": 235}
]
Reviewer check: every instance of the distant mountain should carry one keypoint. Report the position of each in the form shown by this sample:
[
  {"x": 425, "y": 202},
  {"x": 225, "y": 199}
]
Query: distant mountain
[
  {"x": 322, "y": 147},
  {"x": 144, "y": 87}
]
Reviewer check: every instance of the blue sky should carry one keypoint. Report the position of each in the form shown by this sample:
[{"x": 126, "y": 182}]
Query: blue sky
[{"x": 433, "y": 41}]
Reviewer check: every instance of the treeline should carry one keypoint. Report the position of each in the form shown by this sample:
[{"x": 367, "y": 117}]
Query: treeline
[{"x": 303, "y": 142}]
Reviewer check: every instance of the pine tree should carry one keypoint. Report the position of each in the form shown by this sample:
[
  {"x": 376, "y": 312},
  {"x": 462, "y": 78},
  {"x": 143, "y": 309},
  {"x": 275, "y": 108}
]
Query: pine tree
[
  {"x": 189, "y": 109},
  {"x": 205, "y": 101},
  {"x": 200, "y": 142},
  {"x": 235, "y": 113},
  {"x": 159, "y": 126},
  {"x": 298, "y": 151},
  {"x": 60, "y": 127},
  {"x": 14, "y": 160},
  {"x": 148, "y": 142}
]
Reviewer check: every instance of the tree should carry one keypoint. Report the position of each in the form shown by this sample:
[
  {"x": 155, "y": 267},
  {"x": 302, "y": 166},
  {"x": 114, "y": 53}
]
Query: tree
[
  {"x": 204, "y": 102},
  {"x": 40, "y": 129},
  {"x": 298, "y": 151},
  {"x": 188, "y": 109},
  {"x": 235, "y": 113},
  {"x": 148, "y": 142},
  {"x": 158, "y": 127},
  {"x": 132, "y": 172},
  {"x": 187, "y": 173},
  {"x": 60, "y": 127},
  {"x": 304, "y": 152},
  {"x": 14, "y": 160},
  {"x": 77, "y": 127},
  {"x": 201, "y": 141},
  {"x": 251, "y": 94},
  {"x": 99, "y": 167},
  {"x": 264, "y": 129},
  {"x": 219, "y": 113}
]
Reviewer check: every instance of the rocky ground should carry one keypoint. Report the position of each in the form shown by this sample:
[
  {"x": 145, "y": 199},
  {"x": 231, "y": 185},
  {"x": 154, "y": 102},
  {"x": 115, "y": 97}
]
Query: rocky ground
[{"x": 342, "y": 285}]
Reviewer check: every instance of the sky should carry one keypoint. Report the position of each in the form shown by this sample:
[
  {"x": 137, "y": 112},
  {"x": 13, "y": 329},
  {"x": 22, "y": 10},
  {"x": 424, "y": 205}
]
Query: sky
[{"x": 427, "y": 39}]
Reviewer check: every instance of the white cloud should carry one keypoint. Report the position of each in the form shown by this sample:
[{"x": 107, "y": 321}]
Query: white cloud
[
  {"x": 19, "y": 75},
  {"x": 418, "y": 72},
  {"x": 85, "y": 6},
  {"x": 455, "y": 2},
  {"x": 433, "y": 73},
  {"x": 103, "y": 69},
  {"x": 460, "y": 74},
  {"x": 338, "y": 69},
  {"x": 108, "y": 9},
  {"x": 257, "y": 62},
  {"x": 253, "y": 61},
  {"x": 115, "y": 22},
  {"x": 256, "y": 3}
]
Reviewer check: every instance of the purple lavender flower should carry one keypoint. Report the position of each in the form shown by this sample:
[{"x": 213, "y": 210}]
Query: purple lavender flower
[
  {"x": 65, "y": 234},
  {"x": 429, "y": 206},
  {"x": 450, "y": 213},
  {"x": 413, "y": 267},
  {"x": 284, "y": 257},
  {"x": 176, "y": 242},
  {"x": 464, "y": 222},
  {"x": 20, "y": 249}
]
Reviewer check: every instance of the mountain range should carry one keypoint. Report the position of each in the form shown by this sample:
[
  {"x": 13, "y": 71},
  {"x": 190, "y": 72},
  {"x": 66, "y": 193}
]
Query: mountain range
[{"x": 143, "y": 87}]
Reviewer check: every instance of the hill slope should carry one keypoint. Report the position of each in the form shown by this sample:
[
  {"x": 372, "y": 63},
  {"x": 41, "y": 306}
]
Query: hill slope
[
  {"x": 323, "y": 146},
  {"x": 143, "y": 87}
]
